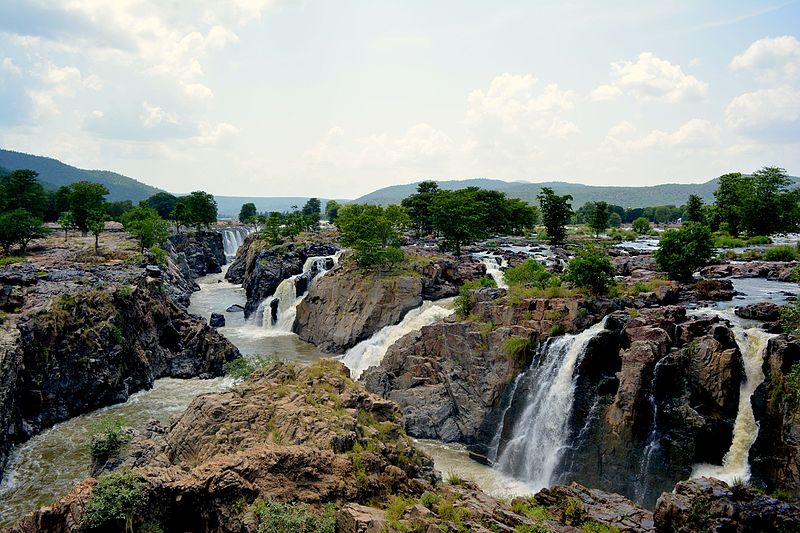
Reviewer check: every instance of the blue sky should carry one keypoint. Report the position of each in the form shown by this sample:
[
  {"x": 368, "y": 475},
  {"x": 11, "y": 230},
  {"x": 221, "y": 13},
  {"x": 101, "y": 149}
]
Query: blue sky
[{"x": 335, "y": 99}]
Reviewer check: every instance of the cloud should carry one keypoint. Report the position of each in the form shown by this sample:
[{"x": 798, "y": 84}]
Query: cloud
[
  {"x": 514, "y": 98},
  {"x": 774, "y": 58},
  {"x": 7, "y": 65},
  {"x": 771, "y": 115},
  {"x": 652, "y": 79},
  {"x": 694, "y": 134},
  {"x": 197, "y": 91},
  {"x": 58, "y": 81},
  {"x": 147, "y": 122},
  {"x": 217, "y": 135}
]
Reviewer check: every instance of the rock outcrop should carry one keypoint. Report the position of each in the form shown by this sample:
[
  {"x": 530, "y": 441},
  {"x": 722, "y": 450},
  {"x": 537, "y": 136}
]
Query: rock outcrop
[
  {"x": 204, "y": 251},
  {"x": 260, "y": 267},
  {"x": 350, "y": 304},
  {"x": 752, "y": 269}
]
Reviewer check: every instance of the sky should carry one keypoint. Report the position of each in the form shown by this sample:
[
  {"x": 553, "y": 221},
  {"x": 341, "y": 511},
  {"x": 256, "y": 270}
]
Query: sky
[{"x": 339, "y": 98}]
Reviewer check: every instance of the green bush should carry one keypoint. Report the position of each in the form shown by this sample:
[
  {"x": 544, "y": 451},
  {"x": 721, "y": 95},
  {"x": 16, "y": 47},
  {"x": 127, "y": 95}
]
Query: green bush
[
  {"x": 531, "y": 272},
  {"x": 516, "y": 347},
  {"x": 781, "y": 253},
  {"x": 117, "y": 497},
  {"x": 123, "y": 292},
  {"x": 591, "y": 269},
  {"x": 108, "y": 441},
  {"x": 726, "y": 241},
  {"x": 243, "y": 367},
  {"x": 454, "y": 479},
  {"x": 641, "y": 225},
  {"x": 556, "y": 330},
  {"x": 463, "y": 302},
  {"x": 278, "y": 517},
  {"x": 116, "y": 335},
  {"x": 429, "y": 499},
  {"x": 759, "y": 239},
  {"x": 160, "y": 254},
  {"x": 681, "y": 252},
  {"x": 10, "y": 260}
]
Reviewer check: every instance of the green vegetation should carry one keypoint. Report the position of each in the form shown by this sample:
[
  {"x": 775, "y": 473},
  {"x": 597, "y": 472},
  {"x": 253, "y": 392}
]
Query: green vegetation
[
  {"x": 556, "y": 212},
  {"x": 556, "y": 330},
  {"x": 529, "y": 507},
  {"x": 517, "y": 348},
  {"x": 159, "y": 254},
  {"x": 21, "y": 190},
  {"x": 118, "y": 497},
  {"x": 694, "y": 209},
  {"x": 429, "y": 499},
  {"x": 681, "y": 252},
  {"x": 600, "y": 216},
  {"x": 248, "y": 213},
  {"x": 374, "y": 233},
  {"x": 243, "y": 367},
  {"x": 163, "y": 203},
  {"x": 198, "y": 209},
  {"x": 19, "y": 227},
  {"x": 532, "y": 273},
  {"x": 641, "y": 225},
  {"x": 590, "y": 269},
  {"x": 781, "y": 253},
  {"x": 463, "y": 302},
  {"x": 11, "y": 259},
  {"x": 86, "y": 200},
  {"x": 145, "y": 224},
  {"x": 277, "y": 517},
  {"x": 454, "y": 479},
  {"x": 332, "y": 211},
  {"x": 759, "y": 239},
  {"x": 108, "y": 441},
  {"x": 723, "y": 240}
]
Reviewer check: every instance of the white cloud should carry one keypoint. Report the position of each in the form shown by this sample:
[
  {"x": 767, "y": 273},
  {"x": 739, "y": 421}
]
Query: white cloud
[
  {"x": 513, "y": 98},
  {"x": 652, "y": 79},
  {"x": 197, "y": 91},
  {"x": 606, "y": 92},
  {"x": 767, "y": 114},
  {"x": 696, "y": 133},
  {"x": 8, "y": 65},
  {"x": 217, "y": 135},
  {"x": 774, "y": 58},
  {"x": 153, "y": 116}
]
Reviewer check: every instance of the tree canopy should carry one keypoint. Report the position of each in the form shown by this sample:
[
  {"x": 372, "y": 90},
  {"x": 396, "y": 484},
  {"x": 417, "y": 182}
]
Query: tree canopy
[
  {"x": 682, "y": 251},
  {"x": 248, "y": 213},
  {"x": 21, "y": 190},
  {"x": 163, "y": 203},
  {"x": 146, "y": 224},
  {"x": 556, "y": 212},
  {"x": 84, "y": 198},
  {"x": 373, "y": 232}
]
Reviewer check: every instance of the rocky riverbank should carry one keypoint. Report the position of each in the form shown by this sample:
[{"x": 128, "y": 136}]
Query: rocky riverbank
[{"x": 76, "y": 337}]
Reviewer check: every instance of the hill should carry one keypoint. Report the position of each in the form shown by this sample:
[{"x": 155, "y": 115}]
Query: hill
[
  {"x": 665, "y": 194},
  {"x": 54, "y": 174}
]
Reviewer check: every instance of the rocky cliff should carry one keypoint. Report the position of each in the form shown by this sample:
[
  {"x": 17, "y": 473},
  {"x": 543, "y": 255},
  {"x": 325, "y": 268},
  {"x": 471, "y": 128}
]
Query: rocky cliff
[
  {"x": 260, "y": 267},
  {"x": 350, "y": 304}
]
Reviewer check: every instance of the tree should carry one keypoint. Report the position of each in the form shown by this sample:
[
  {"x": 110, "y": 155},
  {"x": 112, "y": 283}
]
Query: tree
[
  {"x": 247, "y": 214},
  {"x": 21, "y": 190},
  {"x": 556, "y": 212},
  {"x": 85, "y": 197},
  {"x": 117, "y": 209},
  {"x": 271, "y": 227},
  {"x": 694, "y": 209},
  {"x": 772, "y": 208},
  {"x": 67, "y": 222},
  {"x": 163, "y": 203},
  {"x": 419, "y": 207},
  {"x": 20, "y": 227},
  {"x": 521, "y": 216},
  {"x": 373, "y": 232},
  {"x": 200, "y": 209},
  {"x": 615, "y": 220},
  {"x": 179, "y": 215},
  {"x": 312, "y": 207},
  {"x": 590, "y": 269},
  {"x": 145, "y": 224},
  {"x": 680, "y": 252},
  {"x": 731, "y": 194},
  {"x": 599, "y": 220},
  {"x": 458, "y": 219},
  {"x": 641, "y": 225},
  {"x": 96, "y": 223},
  {"x": 332, "y": 210}
]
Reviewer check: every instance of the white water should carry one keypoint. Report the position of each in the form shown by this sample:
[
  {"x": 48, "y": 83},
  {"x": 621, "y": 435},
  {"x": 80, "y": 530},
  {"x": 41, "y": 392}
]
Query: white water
[
  {"x": 494, "y": 446},
  {"x": 736, "y": 463},
  {"x": 370, "y": 352},
  {"x": 540, "y": 433},
  {"x": 493, "y": 264},
  {"x": 232, "y": 239},
  {"x": 288, "y": 299}
]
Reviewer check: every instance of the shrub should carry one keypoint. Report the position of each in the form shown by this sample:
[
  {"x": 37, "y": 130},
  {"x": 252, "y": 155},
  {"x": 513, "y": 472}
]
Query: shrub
[
  {"x": 759, "y": 239},
  {"x": 116, "y": 335},
  {"x": 429, "y": 499},
  {"x": 278, "y": 517},
  {"x": 681, "y": 252},
  {"x": 108, "y": 441},
  {"x": 123, "y": 292},
  {"x": 160, "y": 254},
  {"x": 243, "y": 367},
  {"x": 116, "y": 497},
  {"x": 556, "y": 330},
  {"x": 10, "y": 260},
  {"x": 531, "y": 272},
  {"x": 463, "y": 302},
  {"x": 454, "y": 479},
  {"x": 781, "y": 253},
  {"x": 591, "y": 269},
  {"x": 641, "y": 225},
  {"x": 572, "y": 511},
  {"x": 726, "y": 241},
  {"x": 516, "y": 347}
]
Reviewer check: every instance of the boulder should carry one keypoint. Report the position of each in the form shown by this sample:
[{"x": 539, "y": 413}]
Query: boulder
[
  {"x": 765, "y": 311},
  {"x": 217, "y": 320},
  {"x": 235, "y": 308}
]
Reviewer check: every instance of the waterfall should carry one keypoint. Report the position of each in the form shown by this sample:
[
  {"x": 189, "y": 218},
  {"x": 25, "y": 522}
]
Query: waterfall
[
  {"x": 653, "y": 445},
  {"x": 278, "y": 312},
  {"x": 736, "y": 463},
  {"x": 232, "y": 239},
  {"x": 494, "y": 446},
  {"x": 493, "y": 264},
  {"x": 540, "y": 433},
  {"x": 370, "y": 352}
]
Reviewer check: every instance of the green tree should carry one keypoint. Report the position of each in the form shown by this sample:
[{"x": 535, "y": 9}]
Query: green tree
[
  {"x": 556, "y": 212},
  {"x": 373, "y": 232},
  {"x": 641, "y": 225},
  {"x": 200, "y": 209},
  {"x": 21, "y": 190},
  {"x": 694, "y": 209},
  {"x": 590, "y": 269},
  {"x": 271, "y": 227},
  {"x": 163, "y": 203},
  {"x": 731, "y": 195},
  {"x": 118, "y": 208},
  {"x": 521, "y": 216},
  {"x": 20, "y": 227},
  {"x": 419, "y": 207},
  {"x": 67, "y": 222},
  {"x": 180, "y": 216},
  {"x": 681, "y": 252},
  {"x": 615, "y": 220},
  {"x": 772, "y": 207},
  {"x": 247, "y": 214},
  {"x": 96, "y": 223},
  {"x": 459, "y": 219},
  {"x": 312, "y": 207},
  {"x": 332, "y": 210},
  {"x": 599, "y": 219},
  {"x": 85, "y": 197},
  {"x": 145, "y": 224}
]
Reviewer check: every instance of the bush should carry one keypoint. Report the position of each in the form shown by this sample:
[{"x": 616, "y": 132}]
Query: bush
[
  {"x": 572, "y": 511},
  {"x": 454, "y": 479},
  {"x": 429, "y": 500},
  {"x": 759, "y": 239},
  {"x": 516, "y": 347},
  {"x": 641, "y": 225},
  {"x": 591, "y": 269},
  {"x": 278, "y": 517},
  {"x": 116, "y": 497},
  {"x": 531, "y": 272},
  {"x": 463, "y": 302},
  {"x": 10, "y": 260},
  {"x": 681, "y": 252},
  {"x": 243, "y": 367},
  {"x": 160, "y": 254},
  {"x": 108, "y": 442},
  {"x": 781, "y": 253},
  {"x": 123, "y": 292},
  {"x": 726, "y": 241}
]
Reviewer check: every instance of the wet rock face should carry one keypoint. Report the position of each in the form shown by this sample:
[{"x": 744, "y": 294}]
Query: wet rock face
[
  {"x": 349, "y": 304},
  {"x": 707, "y": 504},
  {"x": 260, "y": 268},
  {"x": 204, "y": 251}
]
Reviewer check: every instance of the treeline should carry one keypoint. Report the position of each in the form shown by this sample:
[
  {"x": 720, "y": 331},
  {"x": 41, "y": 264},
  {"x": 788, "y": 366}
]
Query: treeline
[
  {"x": 25, "y": 206},
  {"x": 276, "y": 225}
]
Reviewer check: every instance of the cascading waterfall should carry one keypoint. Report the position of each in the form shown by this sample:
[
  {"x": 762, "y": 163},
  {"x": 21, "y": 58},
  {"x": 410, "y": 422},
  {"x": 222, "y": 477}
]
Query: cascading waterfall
[
  {"x": 493, "y": 264},
  {"x": 653, "y": 443},
  {"x": 540, "y": 434},
  {"x": 494, "y": 446},
  {"x": 278, "y": 312},
  {"x": 370, "y": 352},
  {"x": 232, "y": 240},
  {"x": 736, "y": 463}
]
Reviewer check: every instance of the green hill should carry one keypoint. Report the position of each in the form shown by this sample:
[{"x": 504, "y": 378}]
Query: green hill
[
  {"x": 665, "y": 194},
  {"x": 54, "y": 174}
]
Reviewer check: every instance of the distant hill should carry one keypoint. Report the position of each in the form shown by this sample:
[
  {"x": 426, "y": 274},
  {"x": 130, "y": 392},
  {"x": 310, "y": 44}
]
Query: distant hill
[
  {"x": 665, "y": 194},
  {"x": 54, "y": 174}
]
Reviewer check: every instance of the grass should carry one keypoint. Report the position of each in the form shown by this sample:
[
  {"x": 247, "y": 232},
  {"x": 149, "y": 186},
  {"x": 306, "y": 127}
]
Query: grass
[
  {"x": 108, "y": 441},
  {"x": 645, "y": 286},
  {"x": 278, "y": 517},
  {"x": 11, "y": 260},
  {"x": 516, "y": 294},
  {"x": 516, "y": 347},
  {"x": 243, "y": 367},
  {"x": 727, "y": 241},
  {"x": 454, "y": 479},
  {"x": 530, "y": 508},
  {"x": 556, "y": 330},
  {"x": 781, "y": 253}
]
